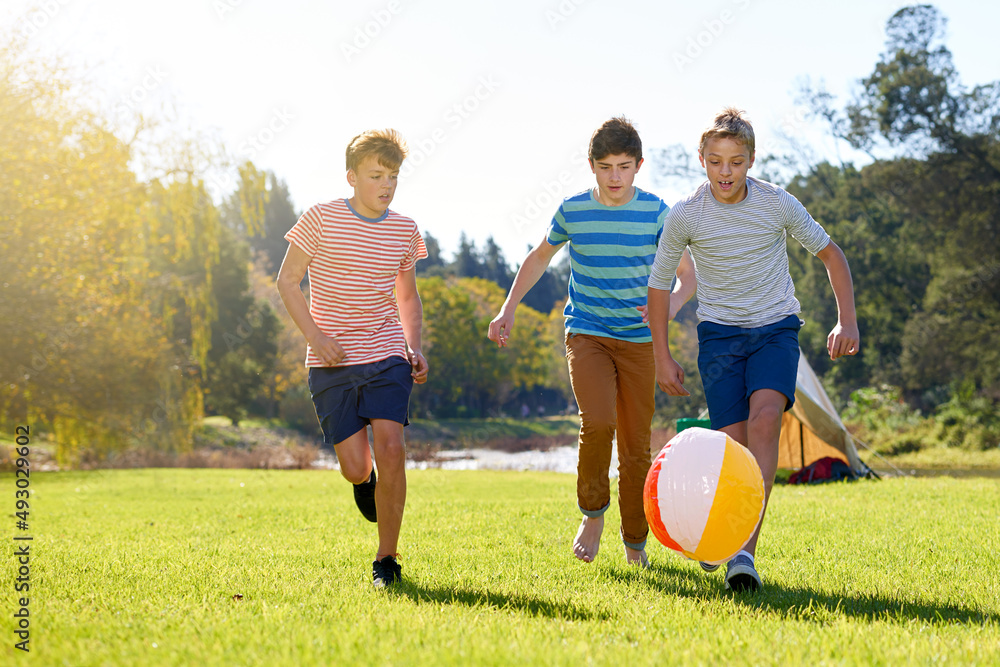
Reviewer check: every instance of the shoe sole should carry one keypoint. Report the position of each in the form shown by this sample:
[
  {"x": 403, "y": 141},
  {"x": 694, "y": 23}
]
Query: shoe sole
[
  {"x": 708, "y": 568},
  {"x": 741, "y": 578}
]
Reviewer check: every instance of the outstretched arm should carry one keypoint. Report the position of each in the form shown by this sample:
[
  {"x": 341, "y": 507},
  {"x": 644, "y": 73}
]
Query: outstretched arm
[
  {"x": 531, "y": 270},
  {"x": 411, "y": 317},
  {"x": 669, "y": 374},
  {"x": 293, "y": 269},
  {"x": 844, "y": 339}
]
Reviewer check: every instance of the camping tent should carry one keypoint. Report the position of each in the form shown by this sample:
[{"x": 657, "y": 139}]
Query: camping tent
[{"x": 812, "y": 429}]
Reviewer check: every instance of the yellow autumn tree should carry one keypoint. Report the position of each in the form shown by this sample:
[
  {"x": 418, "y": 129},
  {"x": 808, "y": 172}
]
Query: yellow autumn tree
[{"x": 105, "y": 308}]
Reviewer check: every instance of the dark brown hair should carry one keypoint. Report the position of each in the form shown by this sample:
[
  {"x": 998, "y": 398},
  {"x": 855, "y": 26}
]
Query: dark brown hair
[{"x": 615, "y": 137}]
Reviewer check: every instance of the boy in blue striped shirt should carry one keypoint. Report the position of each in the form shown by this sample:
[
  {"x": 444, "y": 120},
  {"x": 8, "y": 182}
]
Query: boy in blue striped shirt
[{"x": 612, "y": 232}]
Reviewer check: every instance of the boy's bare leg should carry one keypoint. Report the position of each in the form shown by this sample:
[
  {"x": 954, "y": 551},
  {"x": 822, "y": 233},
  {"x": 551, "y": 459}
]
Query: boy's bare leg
[
  {"x": 588, "y": 538},
  {"x": 354, "y": 457},
  {"x": 760, "y": 435},
  {"x": 636, "y": 557},
  {"x": 390, "y": 492}
]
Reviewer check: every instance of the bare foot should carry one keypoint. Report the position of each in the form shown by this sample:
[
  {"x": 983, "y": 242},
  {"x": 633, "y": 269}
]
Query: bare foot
[
  {"x": 588, "y": 538},
  {"x": 633, "y": 557}
]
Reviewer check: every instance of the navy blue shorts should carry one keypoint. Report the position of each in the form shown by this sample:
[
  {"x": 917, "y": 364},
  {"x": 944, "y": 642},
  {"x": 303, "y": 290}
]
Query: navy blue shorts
[
  {"x": 734, "y": 362},
  {"x": 347, "y": 398}
]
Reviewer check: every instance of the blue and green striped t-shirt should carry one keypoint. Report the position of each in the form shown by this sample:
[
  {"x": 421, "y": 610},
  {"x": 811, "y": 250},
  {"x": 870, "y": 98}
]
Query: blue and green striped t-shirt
[{"x": 611, "y": 250}]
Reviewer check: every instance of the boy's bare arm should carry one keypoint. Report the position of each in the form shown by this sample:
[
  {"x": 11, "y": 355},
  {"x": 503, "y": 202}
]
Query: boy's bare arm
[
  {"x": 685, "y": 286},
  {"x": 669, "y": 374},
  {"x": 844, "y": 339},
  {"x": 411, "y": 317},
  {"x": 531, "y": 270},
  {"x": 683, "y": 290},
  {"x": 290, "y": 275}
]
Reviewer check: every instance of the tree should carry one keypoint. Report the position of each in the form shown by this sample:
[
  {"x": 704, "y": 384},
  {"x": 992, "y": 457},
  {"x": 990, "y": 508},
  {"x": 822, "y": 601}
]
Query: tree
[
  {"x": 260, "y": 212},
  {"x": 467, "y": 262},
  {"x": 433, "y": 264},
  {"x": 469, "y": 375},
  {"x": 107, "y": 304},
  {"x": 931, "y": 236},
  {"x": 495, "y": 265},
  {"x": 244, "y": 336}
]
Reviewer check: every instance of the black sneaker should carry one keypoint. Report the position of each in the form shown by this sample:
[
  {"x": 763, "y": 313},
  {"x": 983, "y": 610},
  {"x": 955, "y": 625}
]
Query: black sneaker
[
  {"x": 364, "y": 497},
  {"x": 386, "y": 571},
  {"x": 742, "y": 576}
]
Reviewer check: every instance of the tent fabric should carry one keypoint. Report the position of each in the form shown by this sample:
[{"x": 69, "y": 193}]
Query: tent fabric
[{"x": 812, "y": 429}]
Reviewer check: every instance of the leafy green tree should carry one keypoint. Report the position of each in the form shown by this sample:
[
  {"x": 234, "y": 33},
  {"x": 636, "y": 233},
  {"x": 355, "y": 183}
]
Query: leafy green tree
[
  {"x": 107, "y": 304},
  {"x": 495, "y": 265},
  {"x": 260, "y": 211},
  {"x": 244, "y": 336},
  {"x": 467, "y": 262},
  {"x": 927, "y": 231},
  {"x": 469, "y": 375},
  {"x": 433, "y": 264}
]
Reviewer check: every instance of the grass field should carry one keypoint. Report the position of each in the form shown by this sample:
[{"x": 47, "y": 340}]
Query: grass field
[{"x": 247, "y": 567}]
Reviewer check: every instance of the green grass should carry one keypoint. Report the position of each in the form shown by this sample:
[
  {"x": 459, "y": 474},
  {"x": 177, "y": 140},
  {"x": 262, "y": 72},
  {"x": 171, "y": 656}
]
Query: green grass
[
  {"x": 943, "y": 458},
  {"x": 141, "y": 568}
]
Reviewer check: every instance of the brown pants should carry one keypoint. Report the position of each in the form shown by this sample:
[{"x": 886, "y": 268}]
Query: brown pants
[{"x": 613, "y": 381}]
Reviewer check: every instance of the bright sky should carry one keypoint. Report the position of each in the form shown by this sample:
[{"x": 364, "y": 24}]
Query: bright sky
[{"x": 497, "y": 100}]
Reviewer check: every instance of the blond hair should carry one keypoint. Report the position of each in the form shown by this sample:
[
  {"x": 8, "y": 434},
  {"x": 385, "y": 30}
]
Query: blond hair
[
  {"x": 385, "y": 145},
  {"x": 730, "y": 123}
]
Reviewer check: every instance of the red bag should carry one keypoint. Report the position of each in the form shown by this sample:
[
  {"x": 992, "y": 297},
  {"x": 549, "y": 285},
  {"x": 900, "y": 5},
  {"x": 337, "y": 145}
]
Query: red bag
[{"x": 826, "y": 469}]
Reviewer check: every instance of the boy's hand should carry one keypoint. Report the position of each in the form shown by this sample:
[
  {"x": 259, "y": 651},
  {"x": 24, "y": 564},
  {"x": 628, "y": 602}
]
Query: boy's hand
[
  {"x": 500, "y": 328},
  {"x": 843, "y": 340},
  {"x": 675, "y": 306},
  {"x": 419, "y": 365},
  {"x": 670, "y": 377},
  {"x": 327, "y": 349}
]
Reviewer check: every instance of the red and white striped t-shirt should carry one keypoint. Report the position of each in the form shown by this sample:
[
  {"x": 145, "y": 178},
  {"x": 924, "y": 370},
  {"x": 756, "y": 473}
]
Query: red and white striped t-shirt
[{"x": 352, "y": 275}]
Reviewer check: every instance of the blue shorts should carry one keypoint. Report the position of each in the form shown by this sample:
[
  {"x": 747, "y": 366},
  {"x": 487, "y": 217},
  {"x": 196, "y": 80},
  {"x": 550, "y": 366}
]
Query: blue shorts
[
  {"x": 347, "y": 398},
  {"x": 734, "y": 362}
]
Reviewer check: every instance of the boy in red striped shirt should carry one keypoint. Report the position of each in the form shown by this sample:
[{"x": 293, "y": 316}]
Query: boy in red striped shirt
[{"x": 362, "y": 326}]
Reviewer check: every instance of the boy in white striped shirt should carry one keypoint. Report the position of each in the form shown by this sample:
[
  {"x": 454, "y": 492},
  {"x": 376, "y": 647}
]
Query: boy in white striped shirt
[{"x": 735, "y": 227}]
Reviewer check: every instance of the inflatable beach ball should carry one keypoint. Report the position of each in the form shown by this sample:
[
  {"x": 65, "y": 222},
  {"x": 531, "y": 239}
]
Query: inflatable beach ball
[{"x": 704, "y": 495}]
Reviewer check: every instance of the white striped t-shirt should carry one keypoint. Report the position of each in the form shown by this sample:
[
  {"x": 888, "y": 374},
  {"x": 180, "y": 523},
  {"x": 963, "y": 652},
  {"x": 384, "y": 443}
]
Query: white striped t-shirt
[
  {"x": 352, "y": 275},
  {"x": 739, "y": 252}
]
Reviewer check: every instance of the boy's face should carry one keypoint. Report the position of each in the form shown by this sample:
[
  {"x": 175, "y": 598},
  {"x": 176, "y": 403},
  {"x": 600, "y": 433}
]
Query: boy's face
[
  {"x": 374, "y": 186},
  {"x": 615, "y": 174},
  {"x": 726, "y": 161}
]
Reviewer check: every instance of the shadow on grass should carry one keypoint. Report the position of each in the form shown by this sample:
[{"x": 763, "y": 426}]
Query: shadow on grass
[
  {"x": 802, "y": 603},
  {"x": 499, "y": 601},
  {"x": 806, "y": 604}
]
